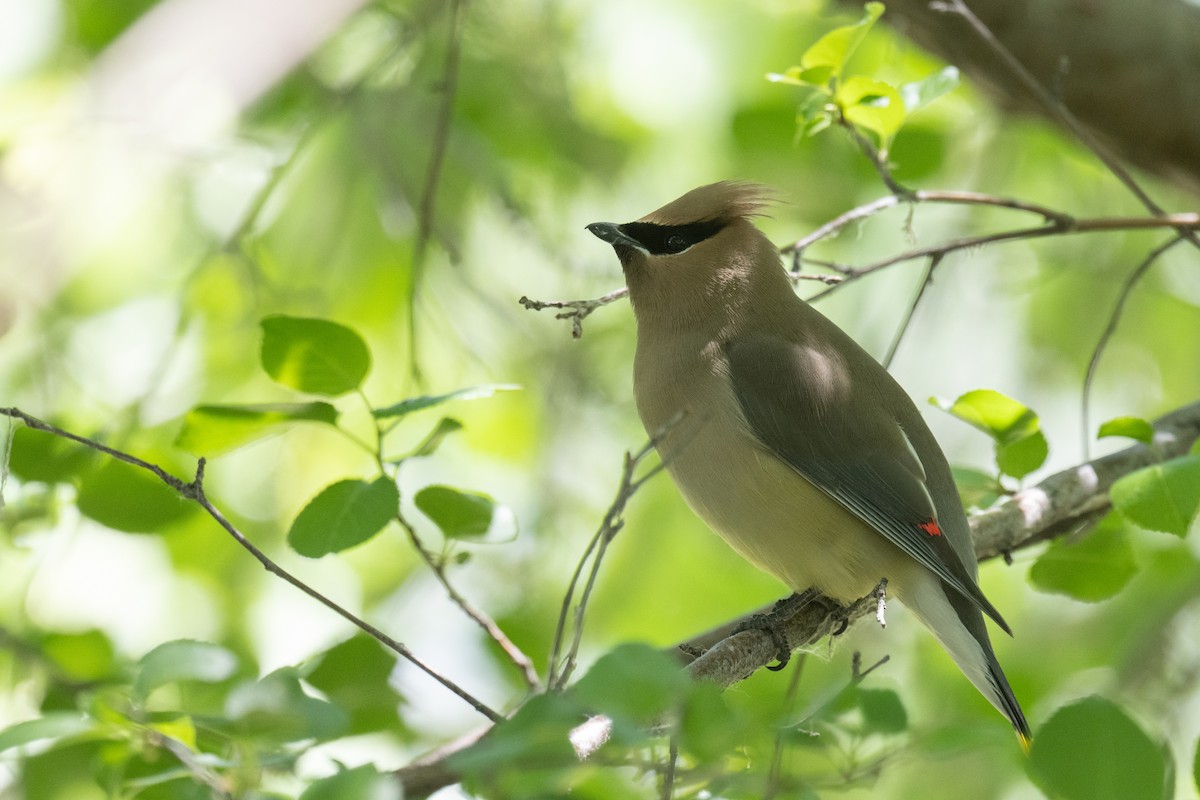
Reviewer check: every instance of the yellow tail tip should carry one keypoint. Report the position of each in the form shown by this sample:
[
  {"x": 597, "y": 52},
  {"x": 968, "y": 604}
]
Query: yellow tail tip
[{"x": 1026, "y": 741}]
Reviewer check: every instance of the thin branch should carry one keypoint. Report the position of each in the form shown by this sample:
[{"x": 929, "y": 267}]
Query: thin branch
[
  {"x": 773, "y": 774},
  {"x": 610, "y": 526},
  {"x": 1058, "y": 110},
  {"x": 1189, "y": 221},
  {"x": 877, "y": 158},
  {"x": 926, "y": 280},
  {"x": 668, "y": 781},
  {"x": 1051, "y": 103},
  {"x": 1113, "y": 319},
  {"x": 576, "y": 310},
  {"x": 514, "y": 653},
  {"x": 1052, "y": 216},
  {"x": 437, "y": 158},
  {"x": 1051, "y": 508},
  {"x": 1057, "y": 224},
  {"x": 194, "y": 491}
]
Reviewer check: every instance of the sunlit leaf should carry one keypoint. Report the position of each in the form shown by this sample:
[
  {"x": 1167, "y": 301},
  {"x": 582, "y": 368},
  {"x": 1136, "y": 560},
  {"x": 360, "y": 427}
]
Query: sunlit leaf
[
  {"x": 428, "y": 401},
  {"x": 183, "y": 660},
  {"x": 213, "y": 429},
  {"x": 977, "y": 489},
  {"x": 1020, "y": 445},
  {"x": 835, "y": 48},
  {"x": 919, "y": 94},
  {"x": 1092, "y": 750},
  {"x": 1130, "y": 427},
  {"x": 1091, "y": 569},
  {"x": 708, "y": 728},
  {"x": 314, "y": 355},
  {"x": 84, "y": 656},
  {"x": 355, "y": 676},
  {"x": 871, "y": 104},
  {"x": 342, "y": 515},
  {"x": 1162, "y": 497}
]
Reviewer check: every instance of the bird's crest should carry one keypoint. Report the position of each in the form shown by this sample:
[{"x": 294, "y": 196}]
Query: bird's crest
[{"x": 726, "y": 201}]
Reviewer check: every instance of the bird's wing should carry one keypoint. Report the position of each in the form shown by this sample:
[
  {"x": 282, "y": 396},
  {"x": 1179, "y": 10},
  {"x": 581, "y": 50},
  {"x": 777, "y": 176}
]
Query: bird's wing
[{"x": 864, "y": 461}]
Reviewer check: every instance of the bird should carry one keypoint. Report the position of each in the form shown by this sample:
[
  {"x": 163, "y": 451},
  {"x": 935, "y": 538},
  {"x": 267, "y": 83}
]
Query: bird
[{"x": 786, "y": 437}]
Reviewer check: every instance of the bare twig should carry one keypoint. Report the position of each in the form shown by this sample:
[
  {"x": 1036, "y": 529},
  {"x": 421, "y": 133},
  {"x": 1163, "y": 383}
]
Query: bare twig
[
  {"x": 773, "y": 774},
  {"x": 878, "y": 160},
  {"x": 668, "y": 781},
  {"x": 194, "y": 491},
  {"x": 866, "y": 210},
  {"x": 1113, "y": 319},
  {"x": 610, "y": 526},
  {"x": 1189, "y": 221},
  {"x": 926, "y": 280},
  {"x": 514, "y": 653},
  {"x": 576, "y": 310}
]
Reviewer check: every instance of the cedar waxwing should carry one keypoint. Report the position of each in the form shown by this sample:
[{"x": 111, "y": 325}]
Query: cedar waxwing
[{"x": 791, "y": 441}]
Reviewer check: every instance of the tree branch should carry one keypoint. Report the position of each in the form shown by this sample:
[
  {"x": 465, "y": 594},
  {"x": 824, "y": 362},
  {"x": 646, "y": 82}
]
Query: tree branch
[
  {"x": 1055, "y": 506},
  {"x": 194, "y": 490}
]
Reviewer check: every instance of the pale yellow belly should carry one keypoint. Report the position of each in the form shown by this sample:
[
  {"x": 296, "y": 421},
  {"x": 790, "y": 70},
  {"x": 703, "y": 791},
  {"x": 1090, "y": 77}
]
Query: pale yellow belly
[{"x": 779, "y": 521}]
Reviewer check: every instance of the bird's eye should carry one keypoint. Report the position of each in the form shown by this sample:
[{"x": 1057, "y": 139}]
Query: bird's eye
[{"x": 676, "y": 243}]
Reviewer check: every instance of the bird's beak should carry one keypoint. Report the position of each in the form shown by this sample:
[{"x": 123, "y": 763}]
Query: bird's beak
[{"x": 611, "y": 232}]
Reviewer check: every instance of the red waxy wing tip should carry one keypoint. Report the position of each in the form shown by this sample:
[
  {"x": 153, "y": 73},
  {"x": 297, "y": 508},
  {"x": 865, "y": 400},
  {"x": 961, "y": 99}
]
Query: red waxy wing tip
[{"x": 931, "y": 528}]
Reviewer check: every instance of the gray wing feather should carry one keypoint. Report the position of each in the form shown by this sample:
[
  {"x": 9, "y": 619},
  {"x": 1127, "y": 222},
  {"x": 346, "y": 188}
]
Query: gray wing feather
[{"x": 863, "y": 461}]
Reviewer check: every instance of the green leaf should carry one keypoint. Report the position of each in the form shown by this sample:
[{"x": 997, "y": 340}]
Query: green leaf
[
  {"x": 84, "y": 656},
  {"x": 182, "y": 660},
  {"x": 459, "y": 514},
  {"x": 1020, "y": 445},
  {"x": 213, "y": 429},
  {"x": 1162, "y": 497},
  {"x": 1196, "y": 766},
  {"x": 537, "y": 735},
  {"x": 1023, "y": 456},
  {"x": 53, "y": 725},
  {"x": 919, "y": 94},
  {"x": 428, "y": 401},
  {"x": 277, "y": 709},
  {"x": 1091, "y": 750},
  {"x": 343, "y": 515},
  {"x": 978, "y": 489},
  {"x": 1092, "y": 569},
  {"x": 126, "y": 498},
  {"x": 834, "y": 49},
  {"x": 708, "y": 728},
  {"x": 1131, "y": 427},
  {"x": 359, "y": 783},
  {"x": 46, "y": 458},
  {"x": 882, "y": 711},
  {"x": 999, "y": 416},
  {"x": 314, "y": 355},
  {"x": 355, "y": 676},
  {"x": 433, "y": 441},
  {"x": 634, "y": 683},
  {"x": 873, "y": 105}
]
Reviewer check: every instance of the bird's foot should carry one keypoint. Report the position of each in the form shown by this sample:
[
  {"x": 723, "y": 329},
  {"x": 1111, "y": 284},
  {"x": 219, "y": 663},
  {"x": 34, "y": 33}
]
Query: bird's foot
[{"x": 773, "y": 625}]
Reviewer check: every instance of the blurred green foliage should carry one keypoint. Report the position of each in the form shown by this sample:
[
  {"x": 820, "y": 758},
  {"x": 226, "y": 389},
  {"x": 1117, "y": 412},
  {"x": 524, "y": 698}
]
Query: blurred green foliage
[{"x": 185, "y": 272}]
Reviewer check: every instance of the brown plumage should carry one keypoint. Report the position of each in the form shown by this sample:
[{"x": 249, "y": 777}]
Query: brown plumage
[{"x": 795, "y": 445}]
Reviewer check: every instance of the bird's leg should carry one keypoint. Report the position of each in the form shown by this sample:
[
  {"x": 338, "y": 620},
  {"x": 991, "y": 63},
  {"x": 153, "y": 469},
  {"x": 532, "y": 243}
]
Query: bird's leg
[{"x": 773, "y": 624}]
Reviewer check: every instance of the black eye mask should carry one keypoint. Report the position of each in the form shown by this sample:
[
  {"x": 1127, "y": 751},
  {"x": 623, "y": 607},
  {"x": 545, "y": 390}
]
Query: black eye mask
[{"x": 666, "y": 240}]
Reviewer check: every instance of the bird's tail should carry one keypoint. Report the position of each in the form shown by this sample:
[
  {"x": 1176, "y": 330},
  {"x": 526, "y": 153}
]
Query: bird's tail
[{"x": 958, "y": 624}]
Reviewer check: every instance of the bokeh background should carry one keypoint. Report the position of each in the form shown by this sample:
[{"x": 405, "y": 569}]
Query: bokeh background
[{"x": 171, "y": 172}]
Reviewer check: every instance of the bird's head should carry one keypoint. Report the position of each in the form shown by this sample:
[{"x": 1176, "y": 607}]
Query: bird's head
[{"x": 697, "y": 252}]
